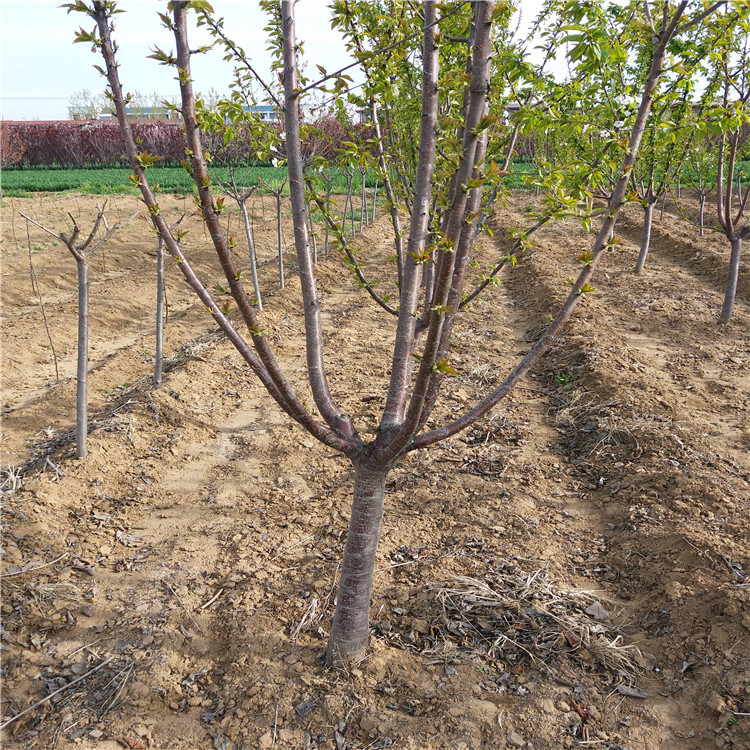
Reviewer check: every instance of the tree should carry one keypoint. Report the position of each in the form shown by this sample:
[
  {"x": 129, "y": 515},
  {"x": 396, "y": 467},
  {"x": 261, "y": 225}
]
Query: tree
[
  {"x": 450, "y": 170},
  {"x": 730, "y": 119},
  {"x": 81, "y": 250}
]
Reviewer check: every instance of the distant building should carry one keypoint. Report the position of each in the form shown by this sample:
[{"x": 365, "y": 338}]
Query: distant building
[
  {"x": 159, "y": 112},
  {"x": 266, "y": 112}
]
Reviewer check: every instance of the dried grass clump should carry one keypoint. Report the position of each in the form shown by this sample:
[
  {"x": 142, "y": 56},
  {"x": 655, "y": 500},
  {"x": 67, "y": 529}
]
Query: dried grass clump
[
  {"x": 602, "y": 424},
  {"x": 509, "y": 613}
]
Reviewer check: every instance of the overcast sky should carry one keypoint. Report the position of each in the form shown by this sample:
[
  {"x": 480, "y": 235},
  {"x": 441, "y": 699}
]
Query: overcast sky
[{"x": 41, "y": 67}]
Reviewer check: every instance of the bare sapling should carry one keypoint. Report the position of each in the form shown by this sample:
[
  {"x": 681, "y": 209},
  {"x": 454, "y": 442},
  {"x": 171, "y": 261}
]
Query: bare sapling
[
  {"x": 82, "y": 251},
  {"x": 438, "y": 249},
  {"x": 313, "y": 235},
  {"x": 242, "y": 195},
  {"x": 276, "y": 191},
  {"x": 161, "y": 289},
  {"x": 363, "y": 207}
]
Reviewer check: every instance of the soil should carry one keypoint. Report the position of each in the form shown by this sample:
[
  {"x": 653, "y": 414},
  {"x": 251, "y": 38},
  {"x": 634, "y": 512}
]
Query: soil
[{"x": 572, "y": 572}]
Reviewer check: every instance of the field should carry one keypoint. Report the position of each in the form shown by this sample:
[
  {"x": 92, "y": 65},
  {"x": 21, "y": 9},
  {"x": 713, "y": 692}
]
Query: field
[
  {"x": 21, "y": 182},
  {"x": 573, "y": 572}
]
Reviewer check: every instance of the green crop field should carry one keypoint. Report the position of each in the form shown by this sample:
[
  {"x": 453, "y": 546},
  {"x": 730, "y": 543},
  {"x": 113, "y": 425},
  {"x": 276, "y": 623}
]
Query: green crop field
[
  {"x": 170, "y": 179},
  {"x": 19, "y": 182}
]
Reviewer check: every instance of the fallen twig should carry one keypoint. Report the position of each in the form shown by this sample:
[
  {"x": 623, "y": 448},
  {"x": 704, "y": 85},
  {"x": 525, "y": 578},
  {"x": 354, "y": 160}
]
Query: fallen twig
[
  {"x": 212, "y": 599},
  {"x": 38, "y": 567},
  {"x": 182, "y": 604},
  {"x": 56, "y": 692}
]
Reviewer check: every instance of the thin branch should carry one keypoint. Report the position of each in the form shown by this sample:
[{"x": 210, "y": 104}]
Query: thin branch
[
  {"x": 33, "y": 570},
  {"x": 57, "y": 692}
]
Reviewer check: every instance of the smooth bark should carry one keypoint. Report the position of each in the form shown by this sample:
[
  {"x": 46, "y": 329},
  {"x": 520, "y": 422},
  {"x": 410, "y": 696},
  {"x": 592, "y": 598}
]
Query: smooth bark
[
  {"x": 158, "y": 365},
  {"x": 351, "y": 623},
  {"x": 648, "y": 216},
  {"x": 251, "y": 250},
  {"x": 82, "y": 268},
  {"x": 731, "y": 289},
  {"x": 280, "y": 239}
]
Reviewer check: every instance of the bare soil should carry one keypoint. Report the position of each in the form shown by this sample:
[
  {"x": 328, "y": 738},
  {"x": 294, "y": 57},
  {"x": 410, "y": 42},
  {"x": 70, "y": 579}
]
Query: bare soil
[{"x": 573, "y": 572}]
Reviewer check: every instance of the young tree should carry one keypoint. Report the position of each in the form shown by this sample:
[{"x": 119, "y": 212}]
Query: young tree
[
  {"x": 700, "y": 173},
  {"x": 730, "y": 119},
  {"x": 447, "y": 186},
  {"x": 81, "y": 251},
  {"x": 160, "y": 304}
]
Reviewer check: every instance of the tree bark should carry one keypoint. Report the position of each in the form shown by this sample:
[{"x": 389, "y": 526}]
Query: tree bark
[
  {"x": 280, "y": 239},
  {"x": 312, "y": 232},
  {"x": 83, "y": 357},
  {"x": 158, "y": 366},
  {"x": 253, "y": 259},
  {"x": 648, "y": 217},
  {"x": 351, "y": 622},
  {"x": 363, "y": 209},
  {"x": 731, "y": 290}
]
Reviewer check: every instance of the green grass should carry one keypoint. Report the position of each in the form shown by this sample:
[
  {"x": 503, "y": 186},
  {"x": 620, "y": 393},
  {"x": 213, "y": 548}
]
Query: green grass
[
  {"x": 105, "y": 181},
  {"x": 21, "y": 183}
]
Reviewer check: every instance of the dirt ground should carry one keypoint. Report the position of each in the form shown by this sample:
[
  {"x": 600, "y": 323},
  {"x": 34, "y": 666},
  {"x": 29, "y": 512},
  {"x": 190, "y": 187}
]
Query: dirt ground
[{"x": 573, "y": 572}]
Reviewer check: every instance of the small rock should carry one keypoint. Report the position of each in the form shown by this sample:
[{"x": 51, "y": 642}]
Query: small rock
[
  {"x": 96, "y": 734},
  {"x": 105, "y": 550},
  {"x": 562, "y": 706},
  {"x": 515, "y": 739},
  {"x": 89, "y": 611}
]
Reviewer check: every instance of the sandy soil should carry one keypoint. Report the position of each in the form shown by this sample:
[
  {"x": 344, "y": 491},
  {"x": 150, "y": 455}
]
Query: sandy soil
[{"x": 570, "y": 573}]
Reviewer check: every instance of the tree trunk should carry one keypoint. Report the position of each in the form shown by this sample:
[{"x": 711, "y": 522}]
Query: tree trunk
[
  {"x": 374, "y": 201},
  {"x": 312, "y": 232},
  {"x": 251, "y": 247},
  {"x": 363, "y": 210},
  {"x": 158, "y": 366},
  {"x": 280, "y": 239},
  {"x": 731, "y": 291},
  {"x": 351, "y": 622},
  {"x": 329, "y": 183},
  {"x": 347, "y": 202},
  {"x": 83, "y": 357},
  {"x": 701, "y": 211},
  {"x": 648, "y": 216}
]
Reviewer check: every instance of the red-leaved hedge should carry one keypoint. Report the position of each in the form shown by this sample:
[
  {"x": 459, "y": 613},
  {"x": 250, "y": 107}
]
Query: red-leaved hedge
[
  {"x": 95, "y": 143},
  {"x": 85, "y": 143}
]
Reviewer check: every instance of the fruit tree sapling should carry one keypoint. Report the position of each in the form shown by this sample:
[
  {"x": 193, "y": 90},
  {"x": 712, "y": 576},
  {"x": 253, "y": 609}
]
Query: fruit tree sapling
[
  {"x": 160, "y": 306},
  {"x": 730, "y": 116},
  {"x": 406, "y": 406},
  {"x": 81, "y": 252},
  {"x": 276, "y": 191}
]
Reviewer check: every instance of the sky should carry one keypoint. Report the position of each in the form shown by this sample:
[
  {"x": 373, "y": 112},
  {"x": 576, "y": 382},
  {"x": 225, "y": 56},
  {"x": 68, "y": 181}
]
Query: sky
[{"x": 42, "y": 68}]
